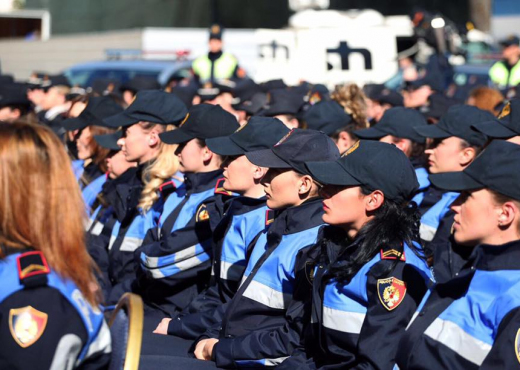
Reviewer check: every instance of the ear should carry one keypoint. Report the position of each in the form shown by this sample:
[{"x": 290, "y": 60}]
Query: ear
[
  {"x": 344, "y": 141},
  {"x": 404, "y": 145},
  {"x": 507, "y": 214},
  {"x": 153, "y": 139},
  {"x": 207, "y": 154},
  {"x": 467, "y": 156},
  {"x": 374, "y": 200},
  {"x": 259, "y": 172},
  {"x": 305, "y": 185}
]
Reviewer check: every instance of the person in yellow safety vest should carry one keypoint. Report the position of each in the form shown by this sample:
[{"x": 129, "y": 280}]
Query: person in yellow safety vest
[
  {"x": 216, "y": 65},
  {"x": 506, "y": 73}
]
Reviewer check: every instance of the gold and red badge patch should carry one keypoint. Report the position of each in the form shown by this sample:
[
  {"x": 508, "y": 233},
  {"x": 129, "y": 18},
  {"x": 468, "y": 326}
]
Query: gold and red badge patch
[
  {"x": 219, "y": 188},
  {"x": 202, "y": 213},
  {"x": 27, "y": 325},
  {"x": 391, "y": 292}
]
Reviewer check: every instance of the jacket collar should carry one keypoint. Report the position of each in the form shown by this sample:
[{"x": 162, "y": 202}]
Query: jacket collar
[
  {"x": 496, "y": 257},
  {"x": 305, "y": 216},
  {"x": 197, "y": 182}
]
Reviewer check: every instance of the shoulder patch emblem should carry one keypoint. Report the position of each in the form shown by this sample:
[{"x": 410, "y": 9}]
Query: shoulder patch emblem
[
  {"x": 269, "y": 217},
  {"x": 391, "y": 292},
  {"x": 517, "y": 345},
  {"x": 505, "y": 111},
  {"x": 202, "y": 214},
  {"x": 392, "y": 254},
  {"x": 219, "y": 188},
  {"x": 31, "y": 264},
  {"x": 27, "y": 325}
]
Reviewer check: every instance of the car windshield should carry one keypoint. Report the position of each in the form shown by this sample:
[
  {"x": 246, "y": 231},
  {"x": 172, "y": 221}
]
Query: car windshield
[{"x": 85, "y": 77}]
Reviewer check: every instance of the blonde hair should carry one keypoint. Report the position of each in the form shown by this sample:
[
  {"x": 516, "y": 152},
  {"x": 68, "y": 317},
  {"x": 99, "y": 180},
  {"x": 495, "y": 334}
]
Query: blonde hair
[
  {"x": 41, "y": 205},
  {"x": 352, "y": 98},
  {"x": 163, "y": 167}
]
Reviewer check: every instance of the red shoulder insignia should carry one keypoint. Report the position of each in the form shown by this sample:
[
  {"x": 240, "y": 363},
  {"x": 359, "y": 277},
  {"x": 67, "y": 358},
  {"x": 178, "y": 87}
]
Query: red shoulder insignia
[
  {"x": 166, "y": 184},
  {"x": 269, "y": 217},
  {"x": 219, "y": 188},
  {"x": 391, "y": 292},
  {"x": 31, "y": 264},
  {"x": 392, "y": 254}
]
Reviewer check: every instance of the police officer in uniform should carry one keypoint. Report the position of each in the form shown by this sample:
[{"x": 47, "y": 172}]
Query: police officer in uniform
[
  {"x": 368, "y": 273},
  {"x": 49, "y": 299},
  {"x": 506, "y": 73},
  {"x": 217, "y": 64},
  {"x": 472, "y": 321}
]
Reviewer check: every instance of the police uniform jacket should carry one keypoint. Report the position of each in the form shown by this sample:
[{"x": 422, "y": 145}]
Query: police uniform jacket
[
  {"x": 471, "y": 321},
  {"x": 45, "y": 322},
  {"x": 174, "y": 263},
  {"x": 254, "y": 329},
  {"x": 243, "y": 219},
  {"x": 91, "y": 191},
  {"x": 358, "y": 323}
]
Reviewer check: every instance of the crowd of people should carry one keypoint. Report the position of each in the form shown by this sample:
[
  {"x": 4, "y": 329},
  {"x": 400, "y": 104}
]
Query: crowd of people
[{"x": 263, "y": 225}]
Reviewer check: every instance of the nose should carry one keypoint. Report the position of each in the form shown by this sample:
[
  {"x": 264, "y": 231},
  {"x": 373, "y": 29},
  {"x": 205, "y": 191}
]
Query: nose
[{"x": 121, "y": 142}]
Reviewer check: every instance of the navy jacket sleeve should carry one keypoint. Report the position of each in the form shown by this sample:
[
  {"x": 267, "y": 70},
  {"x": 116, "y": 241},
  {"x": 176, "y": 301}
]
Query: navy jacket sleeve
[
  {"x": 384, "y": 325},
  {"x": 201, "y": 314},
  {"x": 274, "y": 343},
  {"x": 505, "y": 353}
]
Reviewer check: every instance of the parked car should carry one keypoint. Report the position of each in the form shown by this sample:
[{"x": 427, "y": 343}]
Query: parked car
[{"x": 123, "y": 70}]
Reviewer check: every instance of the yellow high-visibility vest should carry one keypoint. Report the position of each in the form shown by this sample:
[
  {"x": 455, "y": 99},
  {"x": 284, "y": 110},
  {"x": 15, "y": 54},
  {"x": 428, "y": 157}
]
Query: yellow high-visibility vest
[
  {"x": 502, "y": 77},
  {"x": 223, "y": 69}
]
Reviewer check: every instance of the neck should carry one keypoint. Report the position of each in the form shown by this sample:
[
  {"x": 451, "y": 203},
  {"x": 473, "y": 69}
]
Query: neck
[
  {"x": 502, "y": 237},
  {"x": 257, "y": 191},
  {"x": 148, "y": 157}
]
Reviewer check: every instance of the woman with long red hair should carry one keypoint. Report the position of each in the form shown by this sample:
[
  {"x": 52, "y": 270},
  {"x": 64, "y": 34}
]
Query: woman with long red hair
[{"x": 49, "y": 297}]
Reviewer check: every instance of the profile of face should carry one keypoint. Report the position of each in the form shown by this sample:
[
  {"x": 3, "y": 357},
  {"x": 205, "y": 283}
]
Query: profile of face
[
  {"x": 215, "y": 45},
  {"x": 448, "y": 155},
  {"x": 511, "y": 52},
  {"x": 417, "y": 97},
  {"x": 138, "y": 144},
  {"x": 36, "y": 96},
  {"x": 478, "y": 217},
  {"x": 283, "y": 187},
  {"x": 374, "y": 109},
  {"x": 405, "y": 145},
  {"x": 84, "y": 144},
  {"x": 347, "y": 207},
  {"x": 7, "y": 114},
  {"x": 52, "y": 98},
  {"x": 128, "y": 96},
  {"x": 117, "y": 164},
  {"x": 240, "y": 174},
  {"x": 192, "y": 156}
]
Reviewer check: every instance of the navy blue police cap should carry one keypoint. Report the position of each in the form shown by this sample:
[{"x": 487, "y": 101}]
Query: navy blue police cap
[
  {"x": 399, "y": 122},
  {"x": 326, "y": 116},
  {"x": 13, "y": 94},
  {"x": 457, "y": 122},
  {"x": 153, "y": 106},
  {"x": 509, "y": 41},
  {"x": 215, "y": 32},
  {"x": 97, "y": 109},
  {"x": 139, "y": 83},
  {"x": 434, "y": 80},
  {"x": 437, "y": 106},
  {"x": 282, "y": 101},
  {"x": 506, "y": 125},
  {"x": 375, "y": 165},
  {"x": 296, "y": 148},
  {"x": 109, "y": 141},
  {"x": 203, "y": 121},
  {"x": 383, "y": 95},
  {"x": 258, "y": 133},
  {"x": 496, "y": 168}
]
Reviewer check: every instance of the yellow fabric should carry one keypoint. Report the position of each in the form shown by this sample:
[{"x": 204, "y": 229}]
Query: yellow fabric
[
  {"x": 500, "y": 75},
  {"x": 224, "y": 67}
]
